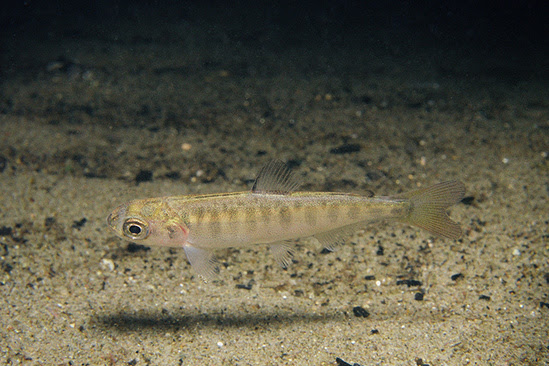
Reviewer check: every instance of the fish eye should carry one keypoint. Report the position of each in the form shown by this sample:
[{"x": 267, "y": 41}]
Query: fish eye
[{"x": 135, "y": 229}]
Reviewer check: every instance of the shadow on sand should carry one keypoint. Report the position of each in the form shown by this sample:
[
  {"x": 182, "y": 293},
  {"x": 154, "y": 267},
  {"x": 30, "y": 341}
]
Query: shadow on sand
[{"x": 163, "y": 321}]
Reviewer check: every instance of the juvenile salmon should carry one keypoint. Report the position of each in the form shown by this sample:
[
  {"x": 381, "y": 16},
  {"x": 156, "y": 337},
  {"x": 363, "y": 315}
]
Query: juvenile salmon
[{"x": 274, "y": 212}]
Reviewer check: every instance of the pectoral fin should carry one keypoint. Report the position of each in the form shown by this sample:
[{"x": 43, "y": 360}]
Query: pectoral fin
[{"x": 202, "y": 261}]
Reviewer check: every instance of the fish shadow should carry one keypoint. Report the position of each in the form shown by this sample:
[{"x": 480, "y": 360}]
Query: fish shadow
[{"x": 162, "y": 321}]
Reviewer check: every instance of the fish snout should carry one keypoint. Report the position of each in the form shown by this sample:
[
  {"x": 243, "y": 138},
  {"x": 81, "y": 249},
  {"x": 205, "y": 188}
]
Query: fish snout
[
  {"x": 111, "y": 220},
  {"x": 115, "y": 218}
]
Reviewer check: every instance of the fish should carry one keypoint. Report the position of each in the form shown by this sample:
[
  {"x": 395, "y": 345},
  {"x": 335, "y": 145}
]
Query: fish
[{"x": 275, "y": 212}]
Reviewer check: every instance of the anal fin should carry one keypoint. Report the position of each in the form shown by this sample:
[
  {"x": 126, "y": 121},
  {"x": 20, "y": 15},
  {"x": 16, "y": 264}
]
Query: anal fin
[
  {"x": 334, "y": 238},
  {"x": 202, "y": 261}
]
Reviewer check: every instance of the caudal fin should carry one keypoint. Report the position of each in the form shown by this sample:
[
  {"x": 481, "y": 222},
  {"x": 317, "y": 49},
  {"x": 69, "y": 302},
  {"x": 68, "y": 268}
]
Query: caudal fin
[{"x": 429, "y": 208}]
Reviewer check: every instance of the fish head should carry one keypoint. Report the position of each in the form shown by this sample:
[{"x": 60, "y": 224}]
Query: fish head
[{"x": 148, "y": 222}]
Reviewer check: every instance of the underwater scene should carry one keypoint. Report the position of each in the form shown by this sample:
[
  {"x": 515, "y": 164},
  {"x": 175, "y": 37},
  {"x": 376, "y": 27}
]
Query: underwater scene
[{"x": 274, "y": 183}]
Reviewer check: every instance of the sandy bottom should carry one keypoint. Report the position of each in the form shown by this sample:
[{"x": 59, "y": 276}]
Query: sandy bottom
[{"x": 90, "y": 121}]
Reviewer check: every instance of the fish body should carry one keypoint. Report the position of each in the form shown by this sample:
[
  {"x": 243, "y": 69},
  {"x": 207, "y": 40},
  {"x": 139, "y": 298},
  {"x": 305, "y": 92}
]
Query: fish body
[{"x": 274, "y": 212}]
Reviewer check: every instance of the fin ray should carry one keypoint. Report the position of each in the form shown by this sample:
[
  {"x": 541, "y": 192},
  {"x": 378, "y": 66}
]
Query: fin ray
[
  {"x": 429, "y": 208},
  {"x": 202, "y": 261},
  {"x": 283, "y": 253},
  {"x": 275, "y": 178},
  {"x": 334, "y": 238}
]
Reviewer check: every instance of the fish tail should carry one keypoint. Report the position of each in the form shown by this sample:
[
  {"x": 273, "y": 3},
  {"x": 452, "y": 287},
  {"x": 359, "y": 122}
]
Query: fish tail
[{"x": 429, "y": 205}]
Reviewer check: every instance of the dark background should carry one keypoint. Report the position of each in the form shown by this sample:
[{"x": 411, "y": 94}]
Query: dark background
[{"x": 520, "y": 24}]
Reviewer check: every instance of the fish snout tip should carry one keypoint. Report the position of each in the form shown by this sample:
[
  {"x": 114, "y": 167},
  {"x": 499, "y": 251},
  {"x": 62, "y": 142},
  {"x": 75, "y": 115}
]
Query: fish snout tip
[{"x": 111, "y": 220}]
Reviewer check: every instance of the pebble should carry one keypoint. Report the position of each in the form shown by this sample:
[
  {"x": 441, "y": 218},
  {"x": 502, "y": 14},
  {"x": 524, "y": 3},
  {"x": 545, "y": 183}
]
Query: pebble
[
  {"x": 106, "y": 264},
  {"x": 359, "y": 311},
  {"x": 409, "y": 283},
  {"x": 144, "y": 176},
  {"x": 346, "y": 149}
]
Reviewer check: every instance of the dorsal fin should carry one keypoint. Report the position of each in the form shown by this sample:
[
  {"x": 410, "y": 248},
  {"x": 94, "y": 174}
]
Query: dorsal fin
[{"x": 275, "y": 178}]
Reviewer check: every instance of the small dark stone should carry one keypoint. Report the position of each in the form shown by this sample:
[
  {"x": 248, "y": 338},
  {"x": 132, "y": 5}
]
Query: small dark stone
[
  {"x": 3, "y": 163},
  {"x": 467, "y": 200},
  {"x": 326, "y": 251},
  {"x": 5, "y": 230},
  {"x": 546, "y": 276},
  {"x": 173, "y": 175},
  {"x": 369, "y": 278},
  {"x": 419, "y": 362},
  {"x": 244, "y": 286},
  {"x": 144, "y": 176},
  {"x": 293, "y": 163},
  {"x": 374, "y": 331},
  {"x": 49, "y": 221},
  {"x": 380, "y": 250},
  {"x": 360, "y": 312},
  {"x": 78, "y": 224},
  {"x": 340, "y": 362},
  {"x": 345, "y": 149},
  {"x": 456, "y": 276},
  {"x": 418, "y": 296},
  {"x": 261, "y": 152},
  {"x": 544, "y": 304},
  {"x": 132, "y": 362},
  {"x": 484, "y": 297},
  {"x": 409, "y": 283},
  {"x": 7, "y": 267},
  {"x": 134, "y": 248}
]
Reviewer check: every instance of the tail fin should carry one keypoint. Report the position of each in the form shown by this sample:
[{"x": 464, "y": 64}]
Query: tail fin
[{"x": 429, "y": 208}]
